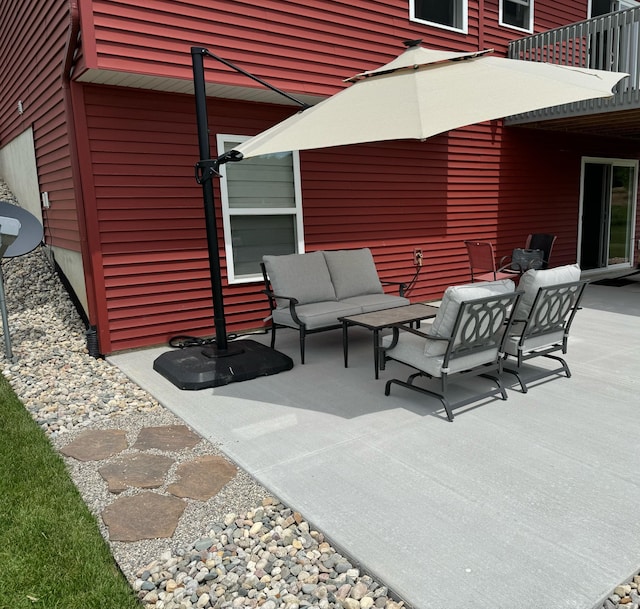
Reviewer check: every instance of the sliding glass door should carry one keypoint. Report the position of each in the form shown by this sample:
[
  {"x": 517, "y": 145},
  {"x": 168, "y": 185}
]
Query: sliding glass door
[{"x": 607, "y": 213}]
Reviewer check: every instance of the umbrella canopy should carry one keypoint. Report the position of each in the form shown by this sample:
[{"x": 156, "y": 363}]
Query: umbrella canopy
[{"x": 424, "y": 92}]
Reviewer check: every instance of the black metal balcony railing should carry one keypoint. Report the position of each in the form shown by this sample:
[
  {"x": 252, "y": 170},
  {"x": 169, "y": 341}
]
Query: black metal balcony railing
[{"x": 609, "y": 42}]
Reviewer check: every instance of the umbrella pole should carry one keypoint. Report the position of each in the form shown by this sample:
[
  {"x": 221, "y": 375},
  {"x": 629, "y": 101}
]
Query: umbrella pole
[
  {"x": 199, "y": 367},
  {"x": 207, "y": 170}
]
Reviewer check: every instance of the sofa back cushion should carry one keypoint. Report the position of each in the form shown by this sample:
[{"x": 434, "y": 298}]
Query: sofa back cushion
[
  {"x": 353, "y": 272},
  {"x": 301, "y": 276},
  {"x": 447, "y": 313},
  {"x": 532, "y": 280}
]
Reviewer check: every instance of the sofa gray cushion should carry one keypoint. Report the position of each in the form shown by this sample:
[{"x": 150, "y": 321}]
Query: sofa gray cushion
[
  {"x": 376, "y": 302},
  {"x": 301, "y": 276},
  {"x": 316, "y": 315},
  {"x": 353, "y": 272}
]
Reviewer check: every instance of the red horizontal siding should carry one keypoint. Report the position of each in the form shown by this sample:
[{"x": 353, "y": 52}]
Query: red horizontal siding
[
  {"x": 32, "y": 45},
  {"x": 305, "y": 47},
  {"x": 299, "y": 46}
]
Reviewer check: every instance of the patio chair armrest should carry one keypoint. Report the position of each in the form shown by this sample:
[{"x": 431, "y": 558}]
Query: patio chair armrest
[
  {"x": 407, "y": 328},
  {"x": 402, "y": 286}
]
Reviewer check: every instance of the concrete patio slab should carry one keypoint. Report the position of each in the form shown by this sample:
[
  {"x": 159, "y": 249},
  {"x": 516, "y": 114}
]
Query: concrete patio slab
[{"x": 530, "y": 503}]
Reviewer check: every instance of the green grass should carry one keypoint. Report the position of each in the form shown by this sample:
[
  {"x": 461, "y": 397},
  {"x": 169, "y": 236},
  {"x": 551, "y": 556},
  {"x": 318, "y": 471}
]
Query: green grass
[{"x": 52, "y": 555}]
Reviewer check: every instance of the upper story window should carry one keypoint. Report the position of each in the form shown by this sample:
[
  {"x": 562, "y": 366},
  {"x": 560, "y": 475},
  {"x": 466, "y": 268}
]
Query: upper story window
[
  {"x": 448, "y": 14},
  {"x": 517, "y": 14},
  {"x": 602, "y": 7},
  {"x": 261, "y": 210}
]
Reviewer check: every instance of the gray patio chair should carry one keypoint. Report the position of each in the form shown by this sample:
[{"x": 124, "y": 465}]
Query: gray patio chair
[
  {"x": 542, "y": 330},
  {"x": 467, "y": 341}
]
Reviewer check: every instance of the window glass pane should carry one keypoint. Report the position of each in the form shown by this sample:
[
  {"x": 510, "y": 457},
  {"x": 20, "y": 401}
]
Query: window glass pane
[
  {"x": 621, "y": 214},
  {"x": 261, "y": 182},
  {"x": 600, "y": 7},
  {"x": 255, "y": 236},
  {"x": 446, "y": 12},
  {"x": 515, "y": 14}
]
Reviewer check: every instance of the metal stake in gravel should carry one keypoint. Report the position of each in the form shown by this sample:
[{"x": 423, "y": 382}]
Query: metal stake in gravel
[{"x": 20, "y": 232}]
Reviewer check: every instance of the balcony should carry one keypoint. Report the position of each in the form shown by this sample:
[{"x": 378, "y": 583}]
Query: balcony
[{"x": 609, "y": 42}]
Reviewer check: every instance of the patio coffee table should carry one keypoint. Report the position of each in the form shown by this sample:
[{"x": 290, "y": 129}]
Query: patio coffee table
[{"x": 378, "y": 320}]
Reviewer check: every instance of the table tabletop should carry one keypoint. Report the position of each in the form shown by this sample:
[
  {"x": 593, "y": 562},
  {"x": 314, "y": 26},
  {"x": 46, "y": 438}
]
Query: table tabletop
[{"x": 376, "y": 320}]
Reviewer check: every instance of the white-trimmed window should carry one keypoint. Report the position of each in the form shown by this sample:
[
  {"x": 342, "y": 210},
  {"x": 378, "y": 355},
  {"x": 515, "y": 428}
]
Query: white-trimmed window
[
  {"x": 448, "y": 14},
  {"x": 261, "y": 209},
  {"x": 602, "y": 7},
  {"x": 517, "y": 14}
]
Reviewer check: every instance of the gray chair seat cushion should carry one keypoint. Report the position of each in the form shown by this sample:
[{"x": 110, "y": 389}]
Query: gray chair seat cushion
[
  {"x": 410, "y": 350},
  {"x": 533, "y": 342},
  {"x": 376, "y": 302},
  {"x": 316, "y": 315}
]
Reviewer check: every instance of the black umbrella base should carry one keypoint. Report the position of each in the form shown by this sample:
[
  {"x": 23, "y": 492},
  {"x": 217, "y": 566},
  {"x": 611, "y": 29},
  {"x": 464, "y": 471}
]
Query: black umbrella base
[{"x": 200, "y": 367}]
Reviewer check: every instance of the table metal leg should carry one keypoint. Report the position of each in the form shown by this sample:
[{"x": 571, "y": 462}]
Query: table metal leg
[
  {"x": 376, "y": 351},
  {"x": 345, "y": 343}
]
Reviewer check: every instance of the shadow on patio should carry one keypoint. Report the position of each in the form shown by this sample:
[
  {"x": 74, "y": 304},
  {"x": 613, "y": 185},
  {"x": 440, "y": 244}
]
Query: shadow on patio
[{"x": 528, "y": 503}]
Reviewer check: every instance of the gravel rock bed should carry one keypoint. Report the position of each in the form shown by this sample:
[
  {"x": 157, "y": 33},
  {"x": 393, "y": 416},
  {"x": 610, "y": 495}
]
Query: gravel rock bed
[{"x": 242, "y": 548}]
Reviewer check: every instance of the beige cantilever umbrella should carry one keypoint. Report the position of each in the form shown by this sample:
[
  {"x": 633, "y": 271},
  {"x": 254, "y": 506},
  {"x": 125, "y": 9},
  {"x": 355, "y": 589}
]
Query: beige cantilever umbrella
[{"x": 424, "y": 92}]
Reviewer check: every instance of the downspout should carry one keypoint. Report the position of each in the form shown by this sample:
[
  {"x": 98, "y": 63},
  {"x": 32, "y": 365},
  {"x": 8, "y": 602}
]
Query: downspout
[
  {"x": 481, "y": 22},
  {"x": 71, "y": 47}
]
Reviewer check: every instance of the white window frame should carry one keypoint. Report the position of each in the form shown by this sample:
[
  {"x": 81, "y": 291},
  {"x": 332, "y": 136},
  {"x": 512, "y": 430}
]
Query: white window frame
[
  {"x": 223, "y": 139},
  {"x": 462, "y": 6},
  {"x": 502, "y": 23}
]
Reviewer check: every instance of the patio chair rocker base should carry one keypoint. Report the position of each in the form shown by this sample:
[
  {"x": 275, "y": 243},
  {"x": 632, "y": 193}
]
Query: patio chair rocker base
[
  {"x": 448, "y": 406},
  {"x": 564, "y": 368}
]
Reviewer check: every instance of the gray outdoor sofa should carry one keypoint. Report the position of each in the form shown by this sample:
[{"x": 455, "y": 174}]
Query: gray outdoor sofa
[{"x": 309, "y": 292}]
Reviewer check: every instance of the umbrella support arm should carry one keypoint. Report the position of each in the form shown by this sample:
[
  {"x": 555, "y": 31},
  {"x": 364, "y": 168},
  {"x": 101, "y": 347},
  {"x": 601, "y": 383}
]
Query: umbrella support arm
[{"x": 264, "y": 83}]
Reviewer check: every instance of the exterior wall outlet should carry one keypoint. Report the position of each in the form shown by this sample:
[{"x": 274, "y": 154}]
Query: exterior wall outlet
[{"x": 417, "y": 256}]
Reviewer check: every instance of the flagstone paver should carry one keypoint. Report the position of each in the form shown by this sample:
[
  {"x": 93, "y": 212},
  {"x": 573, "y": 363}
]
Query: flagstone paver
[
  {"x": 144, "y": 516},
  {"x": 202, "y": 478},
  {"x": 96, "y": 445},
  {"x": 140, "y": 470},
  {"x": 167, "y": 437},
  {"x": 150, "y": 515}
]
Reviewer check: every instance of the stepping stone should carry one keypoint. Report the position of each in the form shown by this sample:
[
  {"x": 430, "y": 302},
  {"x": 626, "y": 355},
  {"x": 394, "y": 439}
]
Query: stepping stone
[
  {"x": 139, "y": 470},
  {"x": 202, "y": 478},
  {"x": 96, "y": 444},
  {"x": 144, "y": 516},
  {"x": 168, "y": 437}
]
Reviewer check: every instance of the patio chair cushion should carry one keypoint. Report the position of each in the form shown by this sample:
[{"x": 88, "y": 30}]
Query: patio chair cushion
[
  {"x": 454, "y": 295},
  {"x": 301, "y": 276},
  {"x": 353, "y": 272},
  {"x": 316, "y": 315},
  {"x": 534, "y": 342},
  {"x": 533, "y": 280},
  {"x": 376, "y": 302},
  {"x": 410, "y": 350}
]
